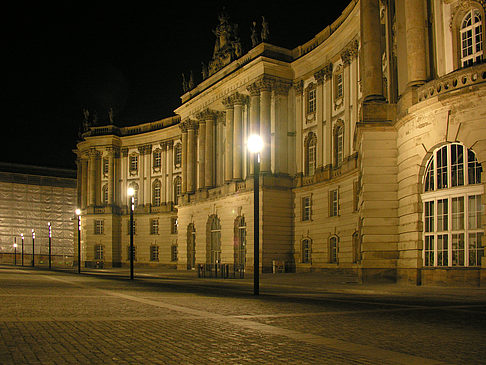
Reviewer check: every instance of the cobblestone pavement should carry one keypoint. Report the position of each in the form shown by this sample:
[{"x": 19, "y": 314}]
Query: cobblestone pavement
[{"x": 51, "y": 317}]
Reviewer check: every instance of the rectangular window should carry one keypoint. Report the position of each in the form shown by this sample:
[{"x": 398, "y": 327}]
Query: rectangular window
[
  {"x": 105, "y": 167},
  {"x": 457, "y": 165},
  {"x": 476, "y": 252},
  {"x": 474, "y": 212},
  {"x": 442, "y": 168},
  {"x": 173, "y": 253},
  {"x": 173, "y": 225},
  {"x": 134, "y": 226},
  {"x": 333, "y": 203},
  {"x": 154, "y": 226},
  {"x": 442, "y": 215},
  {"x": 458, "y": 249},
  {"x": 312, "y": 159},
  {"x": 442, "y": 250},
  {"x": 157, "y": 159},
  {"x": 306, "y": 208},
  {"x": 473, "y": 169},
  {"x": 429, "y": 216},
  {"x": 133, "y": 163},
  {"x": 458, "y": 213},
  {"x": 98, "y": 252},
  {"x": 311, "y": 101},
  {"x": 99, "y": 226},
  {"x": 339, "y": 86},
  {"x": 429, "y": 251},
  {"x": 154, "y": 253},
  {"x": 134, "y": 253},
  {"x": 306, "y": 251}
]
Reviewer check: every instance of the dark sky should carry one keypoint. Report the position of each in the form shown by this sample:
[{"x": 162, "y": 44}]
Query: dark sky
[{"x": 64, "y": 57}]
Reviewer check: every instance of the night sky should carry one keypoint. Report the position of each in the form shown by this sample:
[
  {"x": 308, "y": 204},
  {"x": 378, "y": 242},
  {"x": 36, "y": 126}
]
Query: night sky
[{"x": 62, "y": 58}]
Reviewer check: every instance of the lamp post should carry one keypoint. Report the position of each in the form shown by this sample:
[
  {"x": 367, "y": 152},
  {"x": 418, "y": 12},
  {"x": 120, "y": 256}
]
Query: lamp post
[
  {"x": 15, "y": 252},
  {"x": 255, "y": 145},
  {"x": 50, "y": 235},
  {"x": 78, "y": 213},
  {"x": 22, "y": 235},
  {"x": 131, "y": 194},
  {"x": 33, "y": 247}
]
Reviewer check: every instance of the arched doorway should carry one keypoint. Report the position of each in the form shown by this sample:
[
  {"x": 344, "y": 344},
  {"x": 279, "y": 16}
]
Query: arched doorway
[
  {"x": 240, "y": 244},
  {"x": 191, "y": 246}
]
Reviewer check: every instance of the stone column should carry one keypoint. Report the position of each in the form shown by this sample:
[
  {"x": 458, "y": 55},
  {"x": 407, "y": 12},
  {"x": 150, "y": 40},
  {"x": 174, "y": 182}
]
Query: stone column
[
  {"x": 346, "y": 57},
  {"x": 416, "y": 52},
  {"x": 320, "y": 105},
  {"x": 183, "y": 127},
  {"x": 84, "y": 182},
  {"x": 299, "y": 89},
  {"x": 209, "y": 152},
  {"x": 265, "y": 124},
  {"x": 170, "y": 171},
  {"x": 228, "y": 146},
  {"x": 191, "y": 152},
  {"x": 124, "y": 176},
  {"x": 280, "y": 91},
  {"x": 93, "y": 154},
  {"x": 372, "y": 76},
  {"x": 163, "y": 172},
  {"x": 219, "y": 148},
  {"x": 328, "y": 114},
  {"x": 254, "y": 90},
  {"x": 111, "y": 175},
  {"x": 148, "y": 173},
  {"x": 141, "y": 166},
  {"x": 238, "y": 137},
  {"x": 201, "y": 154}
]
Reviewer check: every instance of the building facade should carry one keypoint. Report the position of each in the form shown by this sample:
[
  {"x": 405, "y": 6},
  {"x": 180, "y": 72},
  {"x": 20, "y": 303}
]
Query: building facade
[
  {"x": 374, "y": 145},
  {"x": 36, "y": 201}
]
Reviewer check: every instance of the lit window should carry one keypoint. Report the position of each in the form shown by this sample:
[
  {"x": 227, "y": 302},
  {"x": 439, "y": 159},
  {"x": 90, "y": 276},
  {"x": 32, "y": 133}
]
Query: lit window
[
  {"x": 471, "y": 38},
  {"x": 173, "y": 225},
  {"x": 133, "y": 164},
  {"x": 452, "y": 208}
]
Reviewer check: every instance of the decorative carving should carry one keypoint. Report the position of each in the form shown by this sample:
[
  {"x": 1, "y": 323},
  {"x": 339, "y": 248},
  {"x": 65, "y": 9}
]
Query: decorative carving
[
  {"x": 281, "y": 87},
  {"x": 327, "y": 70},
  {"x": 461, "y": 7},
  {"x": 299, "y": 86},
  {"x": 227, "y": 47},
  {"x": 188, "y": 124},
  {"x": 346, "y": 56},
  {"x": 124, "y": 152}
]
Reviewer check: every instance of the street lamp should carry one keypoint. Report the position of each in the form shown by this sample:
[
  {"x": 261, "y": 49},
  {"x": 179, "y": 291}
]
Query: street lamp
[
  {"x": 22, "y": 235},
  {"x": 131, "y": 194},
  {"x": 78, "y": 213},
  {"x": 50, "y": 235},
  {"x": 15, "y": 252},
  {"x": 33, "y": 247},
  {"x": 255, "y": 145}
]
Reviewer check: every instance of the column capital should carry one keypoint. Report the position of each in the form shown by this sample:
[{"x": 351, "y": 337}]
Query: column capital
[
  {"x": 299, "y": 86},
  {"x": 124, "y": 151},
  {"x": 93, "y": 152},
  {"x": 145, "y": 149},
  {"x": 187, "y": 125},
  {"x": 282, "y": 87},
  {"x": 206, "y": 115}
]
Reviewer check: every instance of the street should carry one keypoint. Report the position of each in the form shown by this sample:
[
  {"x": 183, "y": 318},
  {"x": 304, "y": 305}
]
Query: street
[{"x": 49, "y": 317}]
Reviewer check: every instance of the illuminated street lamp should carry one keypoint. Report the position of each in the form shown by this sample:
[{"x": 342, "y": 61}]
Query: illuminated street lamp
[
  {"x": 255, "y": 146},
  {"x": 15, "y": 252},
  {"x": 33, "y": 247},
  {"x": 50, "y": 235},
  {"x": 131, "y": 194},
  {"x": 78, "y": 213},
  {"x": 22, "y": 235}
]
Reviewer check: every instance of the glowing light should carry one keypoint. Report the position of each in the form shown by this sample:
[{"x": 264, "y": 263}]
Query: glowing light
[{"x": 255, "y": 143}]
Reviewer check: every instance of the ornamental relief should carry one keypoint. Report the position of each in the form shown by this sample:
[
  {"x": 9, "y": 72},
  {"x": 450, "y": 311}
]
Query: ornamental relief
[{"x": 459, "y": 8}]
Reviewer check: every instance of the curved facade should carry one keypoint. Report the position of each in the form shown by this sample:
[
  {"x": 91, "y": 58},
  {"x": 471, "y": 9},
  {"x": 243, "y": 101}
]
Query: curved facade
[{"x": 372, "y": 161}]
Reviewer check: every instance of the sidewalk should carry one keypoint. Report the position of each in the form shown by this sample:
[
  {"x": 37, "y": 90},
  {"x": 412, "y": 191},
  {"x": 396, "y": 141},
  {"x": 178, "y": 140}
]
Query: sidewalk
[{"x": 302, "y": 283}]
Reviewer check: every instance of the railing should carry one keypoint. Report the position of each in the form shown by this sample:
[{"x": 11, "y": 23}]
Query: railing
[
  {"x": 57, "y": 261},
  {"x": 455, "y": 80},
  {"x": 223, "y": 271}
]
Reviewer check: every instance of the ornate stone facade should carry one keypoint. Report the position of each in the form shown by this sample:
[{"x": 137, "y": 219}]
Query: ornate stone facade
[{"x": 372, "y": 161}]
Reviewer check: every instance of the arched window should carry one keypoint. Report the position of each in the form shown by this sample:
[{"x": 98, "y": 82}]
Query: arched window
[
  {"x": 306, "y": 250},
  {"x": 333, "y": 249},
  {"x": 156, "y": 193},
  {"x": 310, "y": 153},
  {"x": 134, "y": 185},
  {"x": 240, "y": 244},
  {"x": 177, "y": 189},
  {"x": 213, "y": 254},
  {"x": 191, "y": 246},
  {"x": 452, "y": 208},
  {"x": 471, "y": 38},
  {"x": 339, "y": 144}
]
